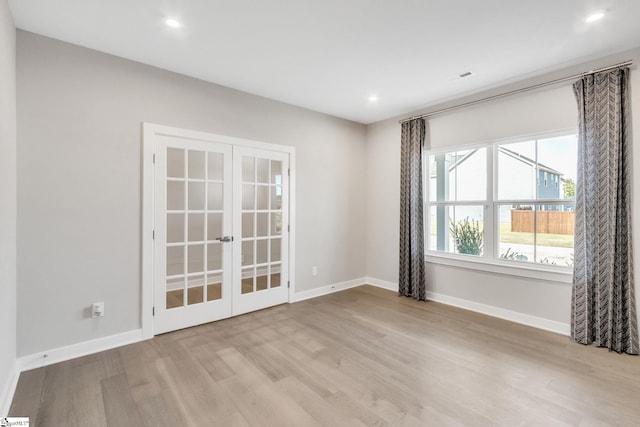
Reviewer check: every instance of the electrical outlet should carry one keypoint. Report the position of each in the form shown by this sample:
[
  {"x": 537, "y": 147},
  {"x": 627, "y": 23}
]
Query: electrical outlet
[
  {"x": 314, "y": 271},
  {"x": 97, "y": 309}
]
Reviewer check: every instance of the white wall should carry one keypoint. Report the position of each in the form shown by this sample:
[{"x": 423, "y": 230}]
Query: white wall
[
  {"x": 79, "y": 181},
  {"x": 544, "y": 110},
  {"x": 7, "y": 201}
]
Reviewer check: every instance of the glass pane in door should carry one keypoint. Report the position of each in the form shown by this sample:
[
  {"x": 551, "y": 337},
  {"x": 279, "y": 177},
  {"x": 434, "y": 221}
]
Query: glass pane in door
[
  {"x": 214, "y": 271},
  {"x": 275, "y": 278},
  {"x": 196, "y": 164},
  {"x": 175, "y": 293},
  {"x": 247, "y": 280},
  {"x": 215, "y": 167},
  {"x": 175, "y": 163},
  {"x": 195, "y": 292},
  {"x": 261, "y": 223},
  {"x": 175, "y": 195},
  {"x": 194, "y": 221},
  {"x": 175, "y": 228}
]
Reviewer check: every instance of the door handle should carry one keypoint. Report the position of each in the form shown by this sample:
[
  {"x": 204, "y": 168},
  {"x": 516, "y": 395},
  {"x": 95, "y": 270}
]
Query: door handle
[{"x": 225, "y": 239}]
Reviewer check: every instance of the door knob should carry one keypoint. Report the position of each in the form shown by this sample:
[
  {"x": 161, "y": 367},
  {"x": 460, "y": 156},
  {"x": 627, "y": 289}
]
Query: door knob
[{"x": 225, "y": 239}]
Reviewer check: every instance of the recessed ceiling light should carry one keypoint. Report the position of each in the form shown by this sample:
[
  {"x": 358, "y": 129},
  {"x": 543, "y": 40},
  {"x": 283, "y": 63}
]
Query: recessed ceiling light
[
  {"x": 594, "y": 17},
  {"x": 373, "y": 98},
  {"x": 173, "y": 23}
]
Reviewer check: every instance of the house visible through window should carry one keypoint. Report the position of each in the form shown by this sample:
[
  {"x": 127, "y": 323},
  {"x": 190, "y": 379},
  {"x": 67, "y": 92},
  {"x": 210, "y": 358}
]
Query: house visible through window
[{"x": 504, "y": 202}]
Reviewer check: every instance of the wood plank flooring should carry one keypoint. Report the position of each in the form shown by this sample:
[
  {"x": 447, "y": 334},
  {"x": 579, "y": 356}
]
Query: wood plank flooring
[{"x": 359, "y": 357}]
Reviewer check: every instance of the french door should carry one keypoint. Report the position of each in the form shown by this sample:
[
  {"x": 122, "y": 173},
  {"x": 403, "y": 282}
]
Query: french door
[
  {"x": 221, "y": 241},
  {"x": 260, "y": 218}
]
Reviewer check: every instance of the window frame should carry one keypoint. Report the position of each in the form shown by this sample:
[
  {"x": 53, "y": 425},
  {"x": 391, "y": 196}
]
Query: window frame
[{"x": 490, "y": 260}]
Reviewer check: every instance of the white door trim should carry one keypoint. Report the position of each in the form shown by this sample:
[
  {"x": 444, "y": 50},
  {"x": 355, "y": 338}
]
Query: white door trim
[{"x": 149, "y": 133}]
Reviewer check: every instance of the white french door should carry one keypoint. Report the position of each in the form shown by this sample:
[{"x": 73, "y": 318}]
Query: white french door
[
  {"x": 260, "y": 217},
  {"x": 193, "y": 215},
  {"x": 221, "y": 240}
]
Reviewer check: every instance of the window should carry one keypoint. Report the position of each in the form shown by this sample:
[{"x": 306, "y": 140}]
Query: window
[
  {"x": 458, "y": 183},
  {"x": 511, "y": 202}
]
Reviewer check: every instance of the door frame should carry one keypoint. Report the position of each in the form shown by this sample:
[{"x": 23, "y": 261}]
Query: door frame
[{"x": 149, "y": 133}]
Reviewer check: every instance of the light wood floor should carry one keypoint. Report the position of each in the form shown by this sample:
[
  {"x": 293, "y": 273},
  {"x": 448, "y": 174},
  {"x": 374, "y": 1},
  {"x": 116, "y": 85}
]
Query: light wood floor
[{"x": 359, "y": 357}]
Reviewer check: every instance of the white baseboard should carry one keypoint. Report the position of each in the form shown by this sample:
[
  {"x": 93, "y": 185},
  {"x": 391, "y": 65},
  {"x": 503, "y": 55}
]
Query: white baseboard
[
  {"x": 513, "y": 316},
  {"x": 381, "y": 284},
  {"x": 489, "y": 310},
  {"x": 329, "y": 289},
  {"x": 73, "y": 351},
  {"x": 6, "y": 394}
]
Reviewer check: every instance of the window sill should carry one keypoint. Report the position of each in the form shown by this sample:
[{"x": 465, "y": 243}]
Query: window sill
[{"x": 538, "y": 272}]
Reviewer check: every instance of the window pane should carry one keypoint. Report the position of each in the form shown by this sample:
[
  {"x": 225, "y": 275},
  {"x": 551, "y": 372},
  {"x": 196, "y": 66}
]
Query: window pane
[
  {"x": 175, "y": 260},
  {"x": 554, "y": 234},
  {"x": 248, "y": 197},
  {"x": 543, "y": 169},
  {"x": 175, "y": 162},
  {"x": 263, "y": 197},
  {"x": 263, "y": 170},
  {"x": 195, "y": 290},
  {"x": 196, "y": 196},
  {"x": 275, "y": 251},
  {"x": 441, "y": 179},
  {"x": 530, "y": 227},
  {"x": 215, "y": 199},
  {"x": 195, "y": 228},
  {"x": 214, "y": 256},
  {"x": 195, "y": 257},
  {"x": 247, "y": 224},
  {"x": 196, "y": 164},
  {"x": 175, "y": 195},
  {"x": 457, "y": 229},
  {"x": 216, "y": 166},
  {"x": 459, "y": 175},
  {"x": 214, "y": 225},
  {"x": 276, "y": 172},
  {"x": 248, "y": 169},
  {"x": 175, "y": 228},
  {"x": 467, "y": 229},
  {"x": 558, "y": 159},
  {"x": 517, "y": 171},
  {"x": 440, "y": 239},
  {"x": 276, "y": 198},
  {"x": 247, "y": 252},
  {"x": 262, "y": 251},
  {"x": 516, "y": 232},
  {"x": 470, "y": 170}
]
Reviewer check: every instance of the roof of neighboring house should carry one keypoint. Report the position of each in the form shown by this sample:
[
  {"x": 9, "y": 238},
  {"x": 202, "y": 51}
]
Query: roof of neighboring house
[
  {"x": 524, "y": 159},
  {"x": 529, "y": 161}
]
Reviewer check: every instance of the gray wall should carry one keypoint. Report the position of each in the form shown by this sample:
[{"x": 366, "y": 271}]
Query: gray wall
[
  {"x": 7, "y": 196},
  {"x": 544, "y": 110},
  {"x": 79, "y": 180}
]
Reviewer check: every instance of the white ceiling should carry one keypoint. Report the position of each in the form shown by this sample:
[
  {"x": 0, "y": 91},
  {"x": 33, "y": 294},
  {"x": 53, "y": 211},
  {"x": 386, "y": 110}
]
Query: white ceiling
[{"x": 332, "y": 55}]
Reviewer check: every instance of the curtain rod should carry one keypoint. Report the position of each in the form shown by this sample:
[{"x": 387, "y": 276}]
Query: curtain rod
[{"x": 516, "y": 91}]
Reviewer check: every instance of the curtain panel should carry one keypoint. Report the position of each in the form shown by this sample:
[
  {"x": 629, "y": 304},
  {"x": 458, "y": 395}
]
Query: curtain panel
[
  {"x": 411, "y": 281},
  {"x": 603, "y": 308}
]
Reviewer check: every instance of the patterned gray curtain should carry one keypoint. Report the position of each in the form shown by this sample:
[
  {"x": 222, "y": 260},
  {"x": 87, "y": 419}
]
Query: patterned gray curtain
[
  {"x": 411, "y": 282},
  {"x": 603, "y": 306}
]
